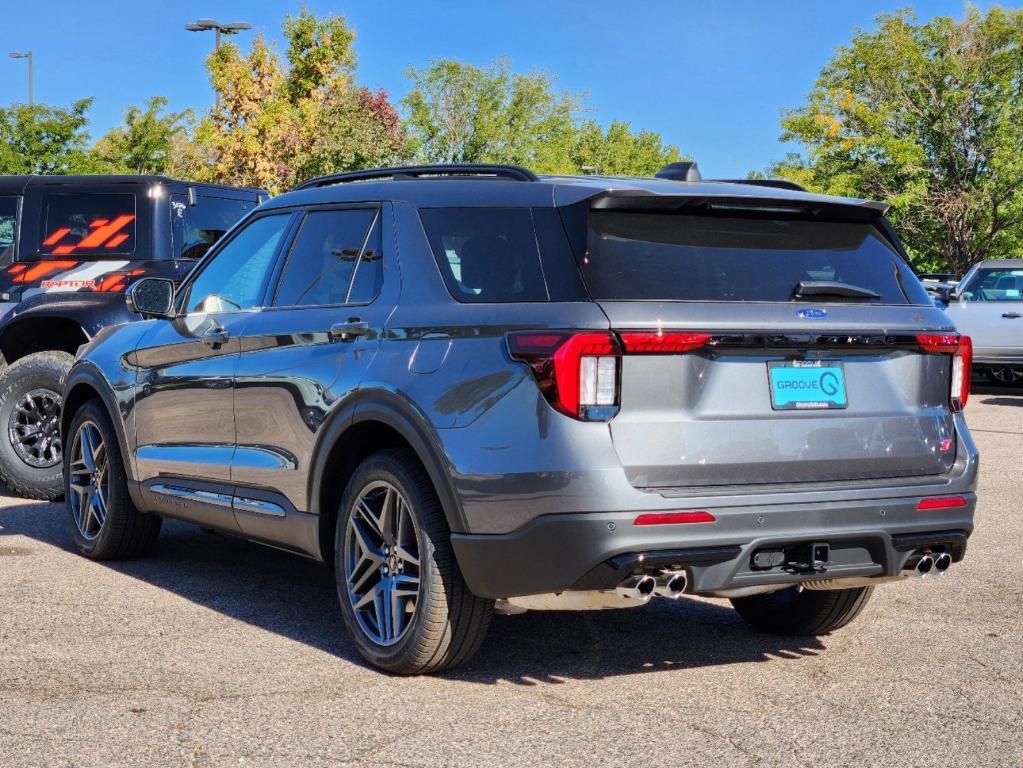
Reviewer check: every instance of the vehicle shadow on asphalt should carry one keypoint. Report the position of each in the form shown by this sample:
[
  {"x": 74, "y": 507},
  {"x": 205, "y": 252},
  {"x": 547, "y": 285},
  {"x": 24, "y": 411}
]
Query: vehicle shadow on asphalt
[
  {"x": 295, "y": 598},
  {"x": 996, "y": 394}
]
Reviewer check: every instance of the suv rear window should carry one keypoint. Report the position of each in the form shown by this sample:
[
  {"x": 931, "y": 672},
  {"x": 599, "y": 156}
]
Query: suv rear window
[
  {"x": 486, "y": 254},
  {"x": 685, "y": 257},
  {"x": 96, "y": 224}
]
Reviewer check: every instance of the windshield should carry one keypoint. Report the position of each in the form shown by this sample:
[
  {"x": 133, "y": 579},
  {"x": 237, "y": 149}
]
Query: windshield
[
  {"x": 94, "y": 225},
  {"x": 8, "y": 221},
  {"x": 656, "y": 256},
  {"x": 995, "y": 285}
]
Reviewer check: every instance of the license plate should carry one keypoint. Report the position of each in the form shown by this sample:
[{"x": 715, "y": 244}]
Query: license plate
[{"x": 807, "y": 385}]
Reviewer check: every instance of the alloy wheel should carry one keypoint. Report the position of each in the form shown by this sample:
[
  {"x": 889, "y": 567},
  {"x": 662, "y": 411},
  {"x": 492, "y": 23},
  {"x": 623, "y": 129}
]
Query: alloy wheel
[
  {"x": 89, "y": 481},
  {"x": 34, "y": 428},
  {"x": 381, "y": 562}
]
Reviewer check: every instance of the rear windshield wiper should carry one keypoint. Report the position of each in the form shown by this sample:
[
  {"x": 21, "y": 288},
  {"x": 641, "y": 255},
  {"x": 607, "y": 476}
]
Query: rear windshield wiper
[{"x": 814, "y": 288}]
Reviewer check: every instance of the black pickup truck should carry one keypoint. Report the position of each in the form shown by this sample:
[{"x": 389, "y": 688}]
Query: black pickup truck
[{"x": 69, "y": 247}]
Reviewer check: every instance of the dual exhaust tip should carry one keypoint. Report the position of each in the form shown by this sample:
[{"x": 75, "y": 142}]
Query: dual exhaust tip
[
  {"x": 670, "y": 585},
  {"x": 936, "y": 563}
]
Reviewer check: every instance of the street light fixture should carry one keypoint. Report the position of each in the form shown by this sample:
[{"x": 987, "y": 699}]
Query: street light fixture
[
  {"x": 205, "y": 25},
  {"x": 26, "y": 55}
]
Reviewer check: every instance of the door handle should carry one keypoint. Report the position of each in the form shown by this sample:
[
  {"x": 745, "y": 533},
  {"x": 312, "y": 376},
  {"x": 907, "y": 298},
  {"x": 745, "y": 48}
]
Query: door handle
[
  {"x": 1012, "y": 315},
  {"x": 216, "y": 337},
  {"x": 349, "y": 330}
]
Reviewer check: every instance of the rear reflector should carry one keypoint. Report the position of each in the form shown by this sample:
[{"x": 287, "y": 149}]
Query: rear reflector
[
  {"x": 941, "y": 502},
  {"x": 674, "y": 518}
]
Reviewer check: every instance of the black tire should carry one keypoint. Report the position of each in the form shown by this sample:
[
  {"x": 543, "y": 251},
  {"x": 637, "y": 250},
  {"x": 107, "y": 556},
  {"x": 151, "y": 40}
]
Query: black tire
[
  {"x": 798, "y": 611},
  {"x": 449, "y": 623},
  {"x": 38, "y": 372},
  {"x": 125, "y": 532}
]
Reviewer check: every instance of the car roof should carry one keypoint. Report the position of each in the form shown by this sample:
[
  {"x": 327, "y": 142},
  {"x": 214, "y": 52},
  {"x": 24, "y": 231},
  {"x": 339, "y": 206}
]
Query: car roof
[
  {"x": 17, "y": 184},
  {"x": 546, "y": 191},
  {"x": 1000, "y": 263}
]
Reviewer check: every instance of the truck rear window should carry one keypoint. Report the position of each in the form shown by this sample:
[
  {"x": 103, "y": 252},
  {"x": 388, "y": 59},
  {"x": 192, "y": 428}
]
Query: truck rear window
[
  {"x": 657, "y": 256},
  {"x": 97, "y": 225}
]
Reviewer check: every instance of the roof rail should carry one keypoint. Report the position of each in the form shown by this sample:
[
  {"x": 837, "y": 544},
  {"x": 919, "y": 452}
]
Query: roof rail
[
  {"x": 776, "y": 183},
  {"x": 405, "y": 172}
]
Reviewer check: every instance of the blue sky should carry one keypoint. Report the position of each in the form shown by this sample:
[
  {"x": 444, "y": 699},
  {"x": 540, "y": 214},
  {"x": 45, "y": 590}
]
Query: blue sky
[{"x": 711, "y": 77}]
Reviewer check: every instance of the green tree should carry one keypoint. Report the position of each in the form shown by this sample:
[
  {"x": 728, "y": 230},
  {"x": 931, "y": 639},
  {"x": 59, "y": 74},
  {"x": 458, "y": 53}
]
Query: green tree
[
  {"x": 620, "y": 152},
  {"x": 461, "y": 113},
  {"x": 42, "y": 139},
  {"x": 928, "y": 117},
  {"x": 281, "y": 122},
  {"x": 147, "y": 141}
]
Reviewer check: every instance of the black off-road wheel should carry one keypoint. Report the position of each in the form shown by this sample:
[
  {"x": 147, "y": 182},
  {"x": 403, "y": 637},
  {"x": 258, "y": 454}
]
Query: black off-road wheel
[
  {"x": 31, "y": 451},
  {"x": 798, "y": 611},
  {"x": 103, "y": 521},
  {"x": 402, "y": 596}
]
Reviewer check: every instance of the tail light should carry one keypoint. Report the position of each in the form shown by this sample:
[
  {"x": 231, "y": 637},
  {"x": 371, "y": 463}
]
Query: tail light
[
  {"x": 578, "y": 373},
  {"x": 961, "y": 349}
]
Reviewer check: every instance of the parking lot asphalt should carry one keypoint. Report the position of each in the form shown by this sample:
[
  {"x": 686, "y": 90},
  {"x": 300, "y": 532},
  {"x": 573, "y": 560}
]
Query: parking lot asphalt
[{"x": 215, "y": 651}]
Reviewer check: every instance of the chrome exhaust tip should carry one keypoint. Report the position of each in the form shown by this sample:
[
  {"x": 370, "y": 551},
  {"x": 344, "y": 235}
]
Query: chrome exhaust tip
[
  {"x": 942, "y": 563},
  {"x": 924, "y": 565},
  {"x": 671, "y": 585},
  {"x": 637, "y": 587}
]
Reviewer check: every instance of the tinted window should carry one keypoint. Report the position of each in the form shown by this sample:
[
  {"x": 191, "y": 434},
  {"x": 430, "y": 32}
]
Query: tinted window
[
  {"x": 995, "y": 285},
  {"x": 369, "y": 272},
  {"x": 233, "y": 279},
  {"x": 486, "y": 254},
  {"x": 322, "y": 260},
  {"x": 685, "y": 257},
  {"x": 8, "y": 222},
  {"x": 96, "y": 225},
  {"x": 197, "y": 227}
]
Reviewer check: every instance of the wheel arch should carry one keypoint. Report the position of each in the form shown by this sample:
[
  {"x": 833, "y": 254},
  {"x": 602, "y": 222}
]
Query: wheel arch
[
  {"x": 84, "y": 384},
  {"x": 371, "y": 423},
  {"x": 31, "y": 332}
]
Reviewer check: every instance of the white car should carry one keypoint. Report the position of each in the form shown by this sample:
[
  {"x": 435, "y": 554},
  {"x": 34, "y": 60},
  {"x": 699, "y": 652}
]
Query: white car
[{"x": 987, "y": 305}]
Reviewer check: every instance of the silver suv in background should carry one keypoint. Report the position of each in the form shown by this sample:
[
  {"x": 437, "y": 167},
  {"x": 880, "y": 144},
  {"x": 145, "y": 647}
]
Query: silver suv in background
[{"x": 469, "y": 387}]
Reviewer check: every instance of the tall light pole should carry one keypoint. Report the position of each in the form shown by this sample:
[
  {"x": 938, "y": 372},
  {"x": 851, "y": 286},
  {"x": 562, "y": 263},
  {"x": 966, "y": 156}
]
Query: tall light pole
[
  {"x": 26, "y": 55},
  {"x": 205, "y": 25}
]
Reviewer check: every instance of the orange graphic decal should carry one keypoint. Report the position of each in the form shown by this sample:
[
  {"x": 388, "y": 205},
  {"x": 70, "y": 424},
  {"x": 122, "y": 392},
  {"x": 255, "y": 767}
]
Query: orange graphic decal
[
  {"x": 103, "y": 232},
  {"x": 43, "y": 268},
  {"x": 16, "y": 269},
  {"x": 52, "y": 239}
]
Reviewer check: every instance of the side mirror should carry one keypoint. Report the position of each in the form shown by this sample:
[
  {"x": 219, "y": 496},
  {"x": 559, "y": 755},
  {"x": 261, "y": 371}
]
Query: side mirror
[
  {"x": 151, "y": 297},
  {"x": 944, "y": 294}
]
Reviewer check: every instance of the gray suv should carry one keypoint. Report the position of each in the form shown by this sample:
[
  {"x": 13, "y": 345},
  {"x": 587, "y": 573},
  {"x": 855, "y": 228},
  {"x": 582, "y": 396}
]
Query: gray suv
[{"x": 470, "y": 388}]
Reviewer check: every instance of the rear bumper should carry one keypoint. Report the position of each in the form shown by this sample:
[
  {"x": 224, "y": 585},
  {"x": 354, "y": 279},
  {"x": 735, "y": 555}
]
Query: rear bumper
[{"x": 554, "y": 553}]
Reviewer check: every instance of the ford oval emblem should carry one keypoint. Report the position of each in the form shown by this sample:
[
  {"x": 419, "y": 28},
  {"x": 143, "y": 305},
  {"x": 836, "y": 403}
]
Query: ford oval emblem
[{"x": 813, "y": 313}]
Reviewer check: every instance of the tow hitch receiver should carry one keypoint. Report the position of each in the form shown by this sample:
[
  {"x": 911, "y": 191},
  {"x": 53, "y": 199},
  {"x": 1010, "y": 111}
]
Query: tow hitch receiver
[{"x": 799, "y": 558}]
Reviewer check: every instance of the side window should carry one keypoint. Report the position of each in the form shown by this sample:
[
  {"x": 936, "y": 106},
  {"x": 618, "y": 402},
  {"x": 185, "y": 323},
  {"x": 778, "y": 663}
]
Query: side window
[
  {"x": 97, "y": 224},
  {"x": 486, "y": 254},
  {"x": 197, "y": 227},
  {"x": 233, "y": 279},
  {"x": 8, "y": 227},
  {"x": 323, "y": 258},
  {"x": 369, "y": 272}
]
